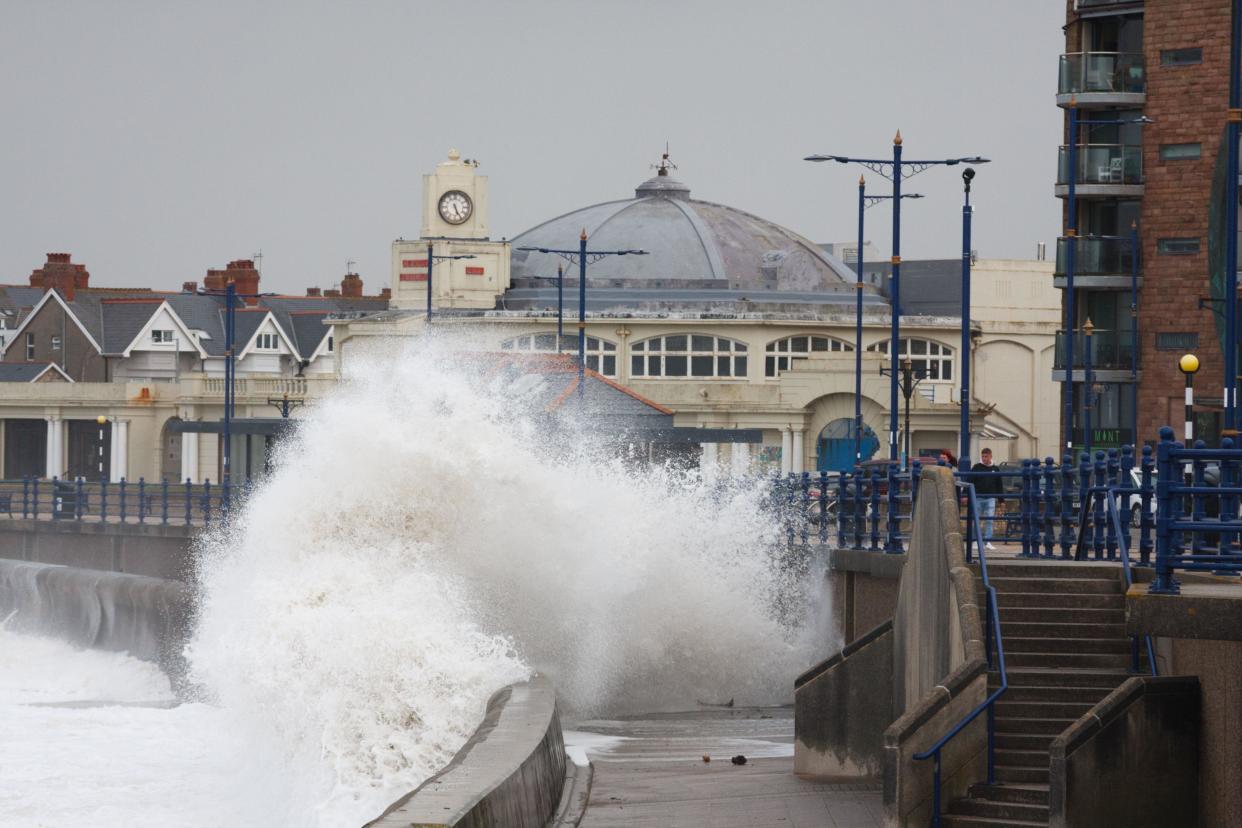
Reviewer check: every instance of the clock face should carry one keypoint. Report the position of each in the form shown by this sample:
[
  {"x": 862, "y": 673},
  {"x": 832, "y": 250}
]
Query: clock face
[{"x": 455, "y": 207}]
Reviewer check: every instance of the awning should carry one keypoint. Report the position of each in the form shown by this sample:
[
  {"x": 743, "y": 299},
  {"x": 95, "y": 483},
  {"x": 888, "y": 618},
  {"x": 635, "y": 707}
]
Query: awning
[{"x": 991, "y": 431}]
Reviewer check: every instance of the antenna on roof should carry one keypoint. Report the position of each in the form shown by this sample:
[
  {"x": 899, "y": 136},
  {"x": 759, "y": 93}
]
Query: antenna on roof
[
  {"x": 349, "y": 267},
  {"x": 665, "y": 165},
  {"x": 258, "y": 261}
]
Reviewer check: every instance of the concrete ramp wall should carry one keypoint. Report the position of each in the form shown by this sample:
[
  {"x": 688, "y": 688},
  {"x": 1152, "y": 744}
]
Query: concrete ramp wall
[{"x": 146, "y": 617}]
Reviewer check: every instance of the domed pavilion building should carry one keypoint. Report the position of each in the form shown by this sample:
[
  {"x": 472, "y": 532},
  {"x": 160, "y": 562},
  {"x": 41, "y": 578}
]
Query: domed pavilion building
[{"x": 728, "y": 319}]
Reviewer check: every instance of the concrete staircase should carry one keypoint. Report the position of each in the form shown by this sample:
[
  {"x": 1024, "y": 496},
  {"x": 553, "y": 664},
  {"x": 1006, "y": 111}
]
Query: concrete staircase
[{"x": 1065, "y": 649}]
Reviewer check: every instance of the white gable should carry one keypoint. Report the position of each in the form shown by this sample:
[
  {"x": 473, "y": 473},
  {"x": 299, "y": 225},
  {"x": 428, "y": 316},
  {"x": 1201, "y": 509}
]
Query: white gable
[{"x": 165, "y": 333}]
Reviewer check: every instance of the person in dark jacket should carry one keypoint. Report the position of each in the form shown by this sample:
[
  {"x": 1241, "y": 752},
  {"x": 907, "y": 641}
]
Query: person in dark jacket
[{"x": 987, "y": 480}]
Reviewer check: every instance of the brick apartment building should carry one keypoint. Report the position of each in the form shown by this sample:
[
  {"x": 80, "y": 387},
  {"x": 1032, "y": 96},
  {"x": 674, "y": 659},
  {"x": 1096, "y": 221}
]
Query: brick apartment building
[{"x": 1167, "y": 61}]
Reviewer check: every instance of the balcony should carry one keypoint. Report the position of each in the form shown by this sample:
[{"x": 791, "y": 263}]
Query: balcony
[
  {"x": 1104, "y": 170},
  {"x": 1097, "y": 79},
  {"x": 1111, "y": 352},
  {"x": 1099, "y": 262},
  {"x": 1104, "y": 5}
]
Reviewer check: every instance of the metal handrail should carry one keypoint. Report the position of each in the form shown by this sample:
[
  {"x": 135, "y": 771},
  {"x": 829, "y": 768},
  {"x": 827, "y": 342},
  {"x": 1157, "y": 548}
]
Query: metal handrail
[
  {"x": 992, "y": 628},
  {"x": 1114, "y": 514}
]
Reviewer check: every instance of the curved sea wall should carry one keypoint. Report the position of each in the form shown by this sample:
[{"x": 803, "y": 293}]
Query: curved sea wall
[
  {"x": 510, "y": 772},
  {"x": 146, "y": 617}
]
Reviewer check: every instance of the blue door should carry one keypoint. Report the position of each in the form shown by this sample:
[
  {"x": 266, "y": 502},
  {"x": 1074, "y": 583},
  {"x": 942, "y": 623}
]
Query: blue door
[{"x": 836, "y": 445}]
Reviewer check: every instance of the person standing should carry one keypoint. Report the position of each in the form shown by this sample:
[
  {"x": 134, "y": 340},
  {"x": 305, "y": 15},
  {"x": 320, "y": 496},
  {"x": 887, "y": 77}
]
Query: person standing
[{"x": 987, "y": 480}]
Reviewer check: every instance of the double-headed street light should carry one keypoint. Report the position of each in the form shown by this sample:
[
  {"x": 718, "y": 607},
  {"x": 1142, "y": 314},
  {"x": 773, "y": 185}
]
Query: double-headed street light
[
  {"x": 583, "y": 257},
  {"x": 865, "y": 202},
  {"x": 968, "y": 175},
  {"x": 896, "y": 170}
]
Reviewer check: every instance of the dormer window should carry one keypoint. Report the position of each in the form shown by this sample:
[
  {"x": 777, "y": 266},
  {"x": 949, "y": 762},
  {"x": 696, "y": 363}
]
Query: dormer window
[
  {"x": 331, "y": 344},
  {"x": 161, "y": 337},
  {"x": 266, "y": 342}
]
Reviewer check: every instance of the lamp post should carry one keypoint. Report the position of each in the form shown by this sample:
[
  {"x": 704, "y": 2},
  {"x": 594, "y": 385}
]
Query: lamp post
[
  {"x": 864, "y": 202},
  {"x": 560, "y": 302},
  {"x": 968, "y": 175},
  {"x": 101, "y": 421},
  {"x": 1233, "y": 133},
  {"x": 907, "y": 378},
  {"x": 432, "y": 258},
  {"x": 1087, "y": 389},
  {"x": 895, "y": 170},
  {"x": 583, "y": 257},
  {"x": 1134, "y": 331},
  {"x": 1189, "y": 366}
]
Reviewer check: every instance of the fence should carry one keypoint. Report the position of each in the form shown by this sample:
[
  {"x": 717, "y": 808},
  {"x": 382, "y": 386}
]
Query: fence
[
  {"x": 868, "y": 508},
  {"x": 124, "y": 502}
]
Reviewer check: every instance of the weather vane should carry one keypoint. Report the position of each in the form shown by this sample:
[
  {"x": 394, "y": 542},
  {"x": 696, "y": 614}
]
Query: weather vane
[{"x": 665, "y": 165}]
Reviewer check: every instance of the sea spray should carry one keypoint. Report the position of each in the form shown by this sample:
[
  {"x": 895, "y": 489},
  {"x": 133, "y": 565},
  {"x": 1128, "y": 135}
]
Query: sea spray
[{"x": 423, "y": 542}]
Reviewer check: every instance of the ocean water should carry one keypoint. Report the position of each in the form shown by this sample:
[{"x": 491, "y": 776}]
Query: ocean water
[{"x": 423, "y": 543}]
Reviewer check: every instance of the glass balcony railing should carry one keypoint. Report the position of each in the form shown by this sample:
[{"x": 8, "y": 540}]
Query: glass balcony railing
[
  {"x": 1103, "y": 164},
  {"x": 1110, "y": 351},
  {"x": 1096, "y": 72},
  {"x": 1097, "y": 256},
  {"x": 1103, "y": 4}
]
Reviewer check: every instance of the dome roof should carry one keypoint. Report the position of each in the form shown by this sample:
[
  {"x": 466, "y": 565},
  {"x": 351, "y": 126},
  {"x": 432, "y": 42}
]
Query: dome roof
[{"x": 697, "y": 251}]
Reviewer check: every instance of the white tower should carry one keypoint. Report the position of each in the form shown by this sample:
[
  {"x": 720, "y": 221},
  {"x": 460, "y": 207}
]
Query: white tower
[{"x": 455, "y": 223}]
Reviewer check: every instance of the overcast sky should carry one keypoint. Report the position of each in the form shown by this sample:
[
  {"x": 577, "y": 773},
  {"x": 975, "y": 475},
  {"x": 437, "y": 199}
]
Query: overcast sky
[{"x": 154, "y": 140}]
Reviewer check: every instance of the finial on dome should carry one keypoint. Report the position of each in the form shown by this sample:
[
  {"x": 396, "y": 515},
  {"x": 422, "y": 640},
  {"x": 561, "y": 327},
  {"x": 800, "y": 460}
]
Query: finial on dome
[
  {"x": 454, "y": 155},
  {"x": 897, "y": 140},
  {"x": 665, "y": 165}
]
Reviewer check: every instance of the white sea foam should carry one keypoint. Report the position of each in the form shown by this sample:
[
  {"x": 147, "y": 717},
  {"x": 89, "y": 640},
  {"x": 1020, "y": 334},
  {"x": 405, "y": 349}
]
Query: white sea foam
[{"x": 420, "y": 547}]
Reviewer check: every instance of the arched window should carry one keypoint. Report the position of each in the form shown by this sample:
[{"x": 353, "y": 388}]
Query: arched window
[
  {"x": 932, "y": 358},
  {"x": 783, "y": 352},
  {"x": 601, "y": 355},
  {"x": 688, "y": 355}
]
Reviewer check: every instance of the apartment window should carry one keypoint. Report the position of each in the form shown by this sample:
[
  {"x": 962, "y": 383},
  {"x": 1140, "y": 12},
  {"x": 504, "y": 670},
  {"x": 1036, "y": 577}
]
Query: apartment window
[
  {"x": 266, "y": 342},
  {"x": 688, "y": 355},
  {"x": 30, "y": 351},
  {"x": 783, "y": 352},
  {"x": 331, "y": 344},
  {"x": 1181, "y": 57},
  {"x": 932, "y": 358},
  {"x": 1177, "y": 341},
  {"x": 601, "y": 355},
  {"x": 162, "y": 337},
  {"x": 1177, "y": 247},
  {"x": 1180, "y": 152},
  {"x": 55, "y": 343}
]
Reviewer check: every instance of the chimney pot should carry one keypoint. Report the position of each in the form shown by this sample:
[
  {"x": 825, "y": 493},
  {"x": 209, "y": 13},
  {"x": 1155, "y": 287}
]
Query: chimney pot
[
  {"x": 189, "y": 287},
  {"x": 313, "y": 291}
]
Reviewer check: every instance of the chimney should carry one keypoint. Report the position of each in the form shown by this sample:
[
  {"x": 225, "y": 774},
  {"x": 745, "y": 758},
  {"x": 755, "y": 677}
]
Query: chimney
[
  {"x": 60, "y": 274},
  {"x": 351, "y": 286},
  {"x": 215, "y": 280},
  {"x": 245, "y": 278},
  {"x": 332, "y": 292},
  {"x": 189, "y": 287},
  {"x": 386, "y": 293},
  {"x": 314, "y": 291}
]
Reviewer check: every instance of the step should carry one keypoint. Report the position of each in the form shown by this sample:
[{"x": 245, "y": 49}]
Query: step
[
  {"x": 1019, "y": 568},
  {"x": 1059, "y": 629},
  {"x": 963, "y": 821},
  {"x": 1000, "y": 810},
  {"x": 1037, "y": 776},
  {"x": 1021, "y": 676},
  {"x": 1007, "y": 708},
  {"x": 1061, "y": 586},
  {"x": 1102, "y": 616},
  {"x": 1054, "y": 600},
  {"x": 1022, "y": 758},
  {"x": 1028, "y": 794},
  {"x": 1040, "y": 693},
  {"x": 1038, "y": 724},
  {"x": 1025, "y": 741},
  {"x": 1073, "y": 646},
  {"x": 1118, "y": 661}
]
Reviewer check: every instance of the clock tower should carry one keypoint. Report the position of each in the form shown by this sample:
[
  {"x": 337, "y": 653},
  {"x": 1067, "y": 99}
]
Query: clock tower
[{"x": 455, "y": 223}]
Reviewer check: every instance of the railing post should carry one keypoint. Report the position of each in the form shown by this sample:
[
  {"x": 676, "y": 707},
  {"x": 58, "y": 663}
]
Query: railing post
[
  {"x": 1166, "y": 470},
  {"x": 1098, "y": 517},
  {"x": 843, "y": 491},
  {"x": 207, "y": 501},
  {"x": 25, "y": 495},
  {"x": 1125, "y": 479},
  {"x": 57, "y": 507},
  {"x": 860, "y": 506},
  {"x": 893, "y": 542},
  {"x": 226, "y": 495},
  {"x": 142, "y": 500},
  {"x": 1147, "y": 470},
  {"x": 34, "y": 492},
  {"x": 803, "y": 519},
  {"x": 1198, "y": 502},
  {"x": 1111, "y": 536},
  {"x": 916, "y": 474},
  {"x": 1067, "y": 505},
  {"x": 1024, "y": 509},
  {"x": 103, "y": 500},
  {"x": 875, "y": 509},
  {"x": 970, "y": 523},
  {"x": 164, "y": 500},
  {"x": 823, "y": 507},
  {"x": 1226, "y": 502},
  {"x": 1050, "y": 505},
  {"x": 79, "y": 496},
  {"x": 189, "y": 501},
  {"x": 122, "y": 497}
]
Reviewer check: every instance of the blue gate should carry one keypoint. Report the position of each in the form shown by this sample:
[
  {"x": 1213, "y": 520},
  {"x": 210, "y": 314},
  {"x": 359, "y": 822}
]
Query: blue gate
[{"x": 835, "y": 447}]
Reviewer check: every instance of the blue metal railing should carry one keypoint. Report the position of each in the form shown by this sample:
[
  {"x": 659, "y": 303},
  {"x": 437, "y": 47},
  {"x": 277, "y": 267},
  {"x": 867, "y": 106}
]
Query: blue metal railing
[
  {"x": 869, "y": 508},
  {"x": 992, "y": 634},
  {"x": 1114, "y": 513},
  {"x": 1188, "y": 535},
  {"x": 80, "y": 501}
]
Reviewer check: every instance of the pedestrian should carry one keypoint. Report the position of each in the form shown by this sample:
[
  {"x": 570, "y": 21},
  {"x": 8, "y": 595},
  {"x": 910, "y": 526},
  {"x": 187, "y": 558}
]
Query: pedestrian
[
  {"x": 947, "y": 457},
  {"x": 987, "y": 480}
]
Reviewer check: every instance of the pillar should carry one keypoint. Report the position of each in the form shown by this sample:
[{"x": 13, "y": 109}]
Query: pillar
[
  {"x": 53, "y": 447},
  {"x": 786, "y": 452},
  {"x": 708, "y": 461},
  {"x": 798, "y": 459},
  {"x": 120, "y": 450},
  {"x": 189, "y": 457},
  {"x": 741, "y": 459}
]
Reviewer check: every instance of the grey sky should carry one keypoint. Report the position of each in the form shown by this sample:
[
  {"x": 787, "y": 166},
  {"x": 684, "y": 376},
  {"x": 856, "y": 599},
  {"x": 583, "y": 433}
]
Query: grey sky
[{"x": 154, "y": 140}]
